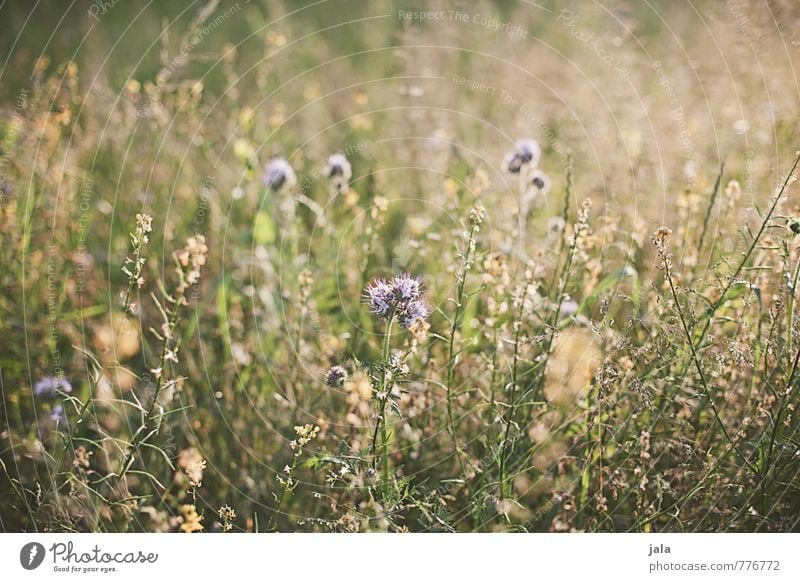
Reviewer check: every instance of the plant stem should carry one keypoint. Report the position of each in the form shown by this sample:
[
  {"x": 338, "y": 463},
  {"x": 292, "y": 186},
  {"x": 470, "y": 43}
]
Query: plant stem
[
  {"x": 284, "y": 492},
  {"x": 510, "y": 416},
  {"x": 451, "y": 357},
  {"x": 381, "y": 426},
  {"x": 142, "y": 434},
  {"x": 699, "y": 367},
  {"x": 746, "y": 257}
]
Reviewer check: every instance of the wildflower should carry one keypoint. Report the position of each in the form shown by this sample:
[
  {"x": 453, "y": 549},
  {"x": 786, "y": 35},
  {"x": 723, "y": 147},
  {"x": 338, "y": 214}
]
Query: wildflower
[
  {"x": 339, "y": 173},
  {"x": 661, "y": 236},
  {"x": 379, "y": 295},
  {"x": 477, "y": 214},
  {"x": 192, "y": 464},
  {"x": 305, "y": 434},
  {"x": 192, "y": 522},
  {"x": 134, "y": 265},
  {"x": 540, "y": 182},
  {"x": 190, "y": 260},
  {"x": 415, "y": 311},
  {"x": 794, "y": 226},
  {"x": 400, "y": 297},
  {"x": 339, "y": 167},
  {"x": 227, "y": 512},
  {"x": 336, "y": 377},
  {"x": 525, "y": 152},
  {"x": 49, "y": 386},
  {"x": 57, "y": 415},
  {"x": 227, "y": 515},
  {"x": 406, "y": 287},
  {"x": 279, "y": 174},
  {"x": 144, "y": 226},
  {"x": 661, "y": 241}
]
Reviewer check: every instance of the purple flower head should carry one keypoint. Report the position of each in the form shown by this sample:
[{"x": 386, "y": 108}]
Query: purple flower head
[
  {"x": 380, "y": 296},
  {"x": 339, "y": 167},
  {"x": 525, "y": 151},
  {"x": 400, "y": 297},
  {"x": 415, "y": 311},
  {"x": 540, "y": 181},
  {"x": 336, "y": 377},
  {"x": 57, "y": 415},
  {"x": 278, "y": 174},
  {"x": 406, "y": 287},
  {"x": 48, "y": 386}
]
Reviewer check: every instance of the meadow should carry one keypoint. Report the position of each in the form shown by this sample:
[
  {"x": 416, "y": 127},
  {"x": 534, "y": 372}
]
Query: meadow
[{"x": 446, "y": 267}]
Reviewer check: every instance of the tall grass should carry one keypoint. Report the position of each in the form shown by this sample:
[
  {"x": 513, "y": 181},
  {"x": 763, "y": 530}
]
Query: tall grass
[{"x": 227, "y": 365}]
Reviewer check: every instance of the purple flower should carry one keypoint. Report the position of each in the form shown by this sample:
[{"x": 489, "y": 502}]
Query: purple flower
[
  {"x": 415, "y": 311},
  {"x": 400, "y": 297},
  {"x": 57, "y": 415},
  {"x": 338, "y": 166},
  {"x": 525, "y": 151},
  {"x": 379, "y": 295},
  {"x": 406, "y": 287},
  {"x": 336, "y": 377},
  {"x": 278, "y": 174},
  {"x": 48, "y": 386},
  {"x": 540, "y": 181}
]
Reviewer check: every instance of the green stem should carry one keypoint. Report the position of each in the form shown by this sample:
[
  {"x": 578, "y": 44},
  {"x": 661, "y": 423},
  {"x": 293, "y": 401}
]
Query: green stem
[
  {"x": 381, "y": 426},
  {"x": 709, "y": 316},
  {"x": 504, "y": 489},
  {"x": 451, "y": 359},
  {"x": 700, "y": 371},
  {"x": 148, "y": 417},
  {"x": 271, "y": 526}
]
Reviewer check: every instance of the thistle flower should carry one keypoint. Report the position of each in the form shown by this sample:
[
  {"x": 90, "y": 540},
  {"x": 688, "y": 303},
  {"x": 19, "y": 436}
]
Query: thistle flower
[
  {"x": 339, "y": 173},
  {"x": 400, "y": 297},
  {"x": 48, "y": 386},
  {"x": 406, "y": 287},
  {"x": 414, "y": 311},
  {"x": 336, "y": 377},
  {"x": 525, "y": 151},
  {"x": 540, "y": 182},
  {"x": 338, "y": 166},
  {"x": 279, "y": 174},
  {"x": 379, "y": 295},
  {"x": 538, "y": 186}
]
